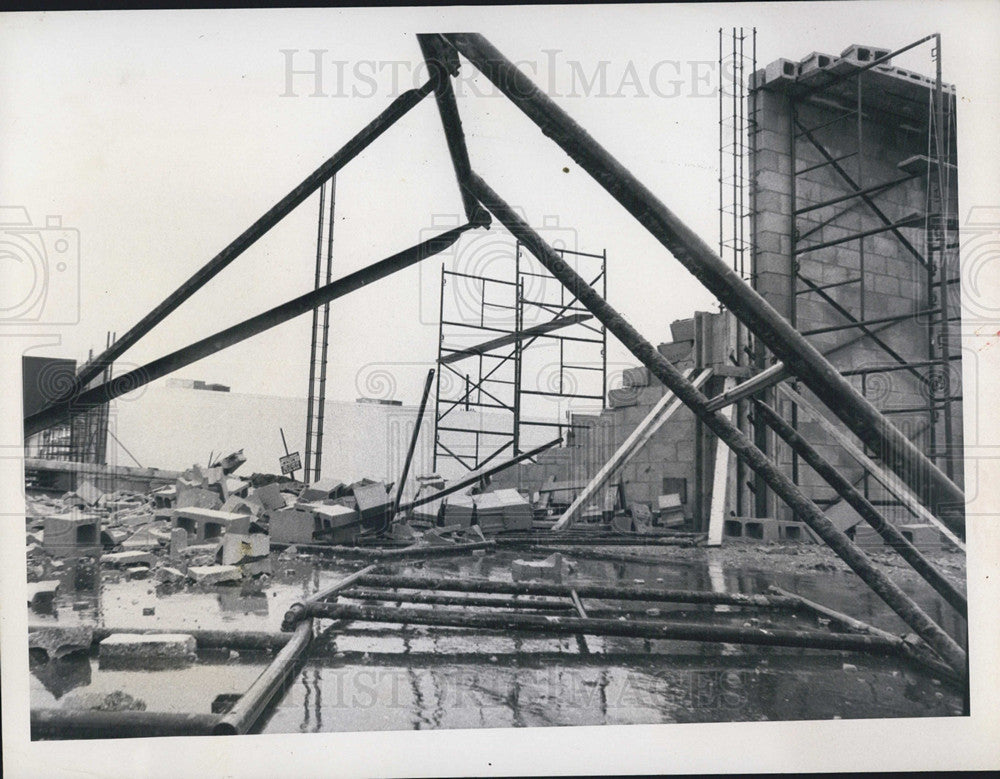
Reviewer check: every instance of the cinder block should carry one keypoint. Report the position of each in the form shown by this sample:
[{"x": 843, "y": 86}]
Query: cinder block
[
  {"x": 41, "y": 594},
  {"x": 751, "y": 529},
  {"x": 293, "y": 526},
  {"x": 373, "y": 505},
  {"x": 147, "y": 651},
  {"x": 549, "y": 569},
  {"x": 321, "y": 490},
  {"x": 337, "y": 524},
  {"x": 71, "y": 534},
  {"x": 925, "y": 537},
  {"x": 682, "y": 330},
  {"x": 270, "y": 496},
  {"x": 636, "y": 377},
  {"x": 206, "y": 524}
]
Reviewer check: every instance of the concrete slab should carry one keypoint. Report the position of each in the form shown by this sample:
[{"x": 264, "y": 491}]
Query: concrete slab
[
  {"x": 239, "y": 546},
  {"x": 147, "y": 651},
  {"x": 128, "y": 559},
  {"x": 214, "y": 574}
]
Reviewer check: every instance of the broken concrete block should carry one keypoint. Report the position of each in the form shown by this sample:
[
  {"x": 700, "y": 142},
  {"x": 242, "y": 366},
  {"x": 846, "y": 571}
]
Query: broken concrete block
[
  {"x": 178, "y": 541},
  {"x": 682, "y": 330},
  {"x": 128, "y": 559},
  {"x": 239, "y": 546},
  {"x": 147, "y": 651},
  {"x": 231, "y": 462},
  {"x": 401, "y": 531},
  {"x": 168, "y": 575},
  {"x": 458, "y": 510},
  {"x": 256, "y": 567},
  {"x": 270, "y": 496},
  {"x": 60, "y": 641},
  {"x": 141, "y": 539},
  {"x": 196, "y": 497},
  {"x": 293, "y": 526},
  {"x": 549, "y": 569},
  {"x": 137, "y": 572},
  {"x": 41, "y": 594},
  {"x": 89, "y": 492},
  {"x": 434, "y": 537},
  {"x": 924, "y": 537},
  {"x": 373, "y": 505},
  {"x": 214, "y": 574},
  {"x": 195, "y": 550},
  {"x": 113, "y": 536}
]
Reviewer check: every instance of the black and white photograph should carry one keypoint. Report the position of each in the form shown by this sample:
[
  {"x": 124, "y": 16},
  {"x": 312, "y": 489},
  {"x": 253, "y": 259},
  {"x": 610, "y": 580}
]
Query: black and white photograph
[{"x": 442, "y": 391}]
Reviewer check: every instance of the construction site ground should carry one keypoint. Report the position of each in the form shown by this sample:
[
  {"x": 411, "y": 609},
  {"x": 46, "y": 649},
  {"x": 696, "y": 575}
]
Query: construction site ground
[{"x": 360, "y": 676}]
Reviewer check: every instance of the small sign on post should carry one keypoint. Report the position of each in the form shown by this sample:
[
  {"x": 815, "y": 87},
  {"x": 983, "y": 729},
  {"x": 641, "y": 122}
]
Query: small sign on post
[{"x": 290, "y": 463}]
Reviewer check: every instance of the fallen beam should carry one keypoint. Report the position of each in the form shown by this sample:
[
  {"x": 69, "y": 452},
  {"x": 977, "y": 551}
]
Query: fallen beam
[
  {"x": 887, "y": 480},
  {"x": 163, "y": 366},
  {"x": 757, "y": 314},
  {"x": 297, "y": 611},
  {"x": 658, "y": 416},
  {"x": 505, "y": 340},
  {"x": 866, "y": 510},
  {"x": 908, "y": 610},
  {"x": 478, "y": 475},
  {"x": 850, "y": 623},
  {"x": 413, "y": 442}
]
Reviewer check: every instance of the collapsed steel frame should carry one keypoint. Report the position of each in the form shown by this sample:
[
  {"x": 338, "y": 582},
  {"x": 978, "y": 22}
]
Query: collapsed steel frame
[{"x": 799, "y": 358}]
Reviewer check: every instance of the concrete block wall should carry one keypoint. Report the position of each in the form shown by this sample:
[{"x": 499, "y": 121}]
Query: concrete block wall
[
  {"x": 670, "y": 454},
  {"x": 895, "y": 282}
]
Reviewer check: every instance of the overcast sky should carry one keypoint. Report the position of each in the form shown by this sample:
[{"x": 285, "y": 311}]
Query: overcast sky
[{"x": 160, "y": 136}]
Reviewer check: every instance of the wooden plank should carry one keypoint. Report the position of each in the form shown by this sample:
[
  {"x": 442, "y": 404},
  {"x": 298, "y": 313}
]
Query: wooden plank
[
  {"x": 665, "y": 408},
  {"x": 720, "y": 479},
  {"x": 887, "y": 480}
]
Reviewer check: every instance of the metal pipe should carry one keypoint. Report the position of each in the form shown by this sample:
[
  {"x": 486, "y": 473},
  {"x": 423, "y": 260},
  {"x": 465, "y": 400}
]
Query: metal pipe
[
  {"x": 469, "y": 480},
  {"x": 297, "y": 611},
  {"x": 663, "y": 630},
  {"x": 247, "y": 710},
  {"x": 760, "y": 317},
  {"x": 738, "y": 443},
  {"x": 74, "y": 723},
  {"x": 606, "y": 591},
  {"x": 395, "y": 111},
  {"x": 868, "y": 512},
  {"x": 413, "y": 442},
  {"x": 156, "y": 369}
]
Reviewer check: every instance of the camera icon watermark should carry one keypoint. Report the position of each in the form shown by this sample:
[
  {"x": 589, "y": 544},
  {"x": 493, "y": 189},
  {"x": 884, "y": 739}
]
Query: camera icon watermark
[{"x": 41, "y": 270}]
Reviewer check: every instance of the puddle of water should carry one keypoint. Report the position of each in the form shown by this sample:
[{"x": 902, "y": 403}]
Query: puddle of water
[{"x": 385, "y": 677}]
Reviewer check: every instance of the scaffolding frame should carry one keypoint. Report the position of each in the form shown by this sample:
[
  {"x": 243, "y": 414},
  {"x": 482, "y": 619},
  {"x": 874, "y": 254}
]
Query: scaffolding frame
[{"x": 497, "y": 360}]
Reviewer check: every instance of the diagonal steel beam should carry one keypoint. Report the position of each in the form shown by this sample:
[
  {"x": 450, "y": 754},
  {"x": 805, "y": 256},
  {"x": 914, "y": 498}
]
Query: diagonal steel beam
[
  {"x": 727, "y": 432},
  {"x": 442, "y": 62},
  {"x": 760, "y": 317},
  {"x": 864, "y": 507},
  {"x": 163, "y": 366},
  {"x": 396, "y": 110}
]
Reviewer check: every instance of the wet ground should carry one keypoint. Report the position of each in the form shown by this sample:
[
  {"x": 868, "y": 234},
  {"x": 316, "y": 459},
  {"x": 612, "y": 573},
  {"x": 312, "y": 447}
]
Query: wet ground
[{"x": 370, "y": 677}]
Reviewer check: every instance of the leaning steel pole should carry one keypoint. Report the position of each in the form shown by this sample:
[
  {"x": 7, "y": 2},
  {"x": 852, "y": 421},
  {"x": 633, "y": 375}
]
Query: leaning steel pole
[
  {"x": 127, "y": 382},
  {"x": 395, "y": 111},
  {"x": 728, "y": 433},
  {"x": 936, "y": 491}
]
